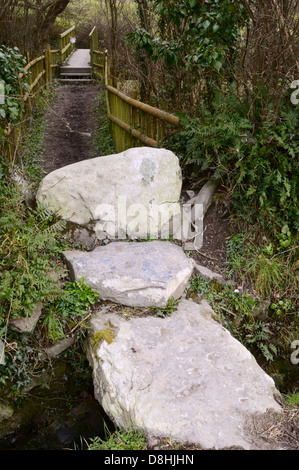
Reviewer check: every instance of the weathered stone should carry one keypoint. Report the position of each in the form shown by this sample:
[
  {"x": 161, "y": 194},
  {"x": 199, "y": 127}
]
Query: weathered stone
[
  {"x": 59, "y": 347},
  {"x": 207, "y": 274},
  {"x": 6, "y": 412},
  {"x": 183, "y": 376},
  {"x": 135, "y": 274},
  {"x": 27, "y": 324},
  {"x": 132, "y": 194}
]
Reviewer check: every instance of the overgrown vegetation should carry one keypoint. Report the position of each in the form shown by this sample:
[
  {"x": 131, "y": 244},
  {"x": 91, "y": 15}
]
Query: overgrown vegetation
[
  {"x": 13, "y": 77},
  {"x": 103, "y": 140},
  {"x": 123, "y": 439},
  {"x": 31, "y": 268}
]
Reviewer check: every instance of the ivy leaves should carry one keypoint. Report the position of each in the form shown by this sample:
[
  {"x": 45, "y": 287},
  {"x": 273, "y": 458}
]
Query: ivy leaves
[{"x": 13, "y": 80}]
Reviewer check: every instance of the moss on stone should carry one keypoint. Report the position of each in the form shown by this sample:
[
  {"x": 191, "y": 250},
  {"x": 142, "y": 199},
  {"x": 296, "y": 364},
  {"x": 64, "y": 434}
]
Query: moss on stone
[{"x": 108, "y": 335}]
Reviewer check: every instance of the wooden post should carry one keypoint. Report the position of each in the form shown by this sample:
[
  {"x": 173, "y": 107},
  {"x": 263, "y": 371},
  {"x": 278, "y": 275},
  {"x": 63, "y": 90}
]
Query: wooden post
[{"x": 48, "y": 67}]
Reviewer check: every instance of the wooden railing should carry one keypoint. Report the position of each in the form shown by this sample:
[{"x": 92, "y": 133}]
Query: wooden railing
[
  {"x": 41, "y": 71},
  {"x": 133, "y": 123},
  {"x": 97, "y": 58},
  {"x": 65, "y": 45}
]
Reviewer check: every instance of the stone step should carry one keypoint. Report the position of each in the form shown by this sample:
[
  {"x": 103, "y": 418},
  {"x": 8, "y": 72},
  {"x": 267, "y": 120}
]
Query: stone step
[
  {"x": 74, "y": 75},
  {"x": 75, "y": 80},
  {"x": 76, "y": 70}
]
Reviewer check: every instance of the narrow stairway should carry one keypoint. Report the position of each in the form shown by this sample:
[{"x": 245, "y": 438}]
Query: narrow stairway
[{"x": 77, "y": 67}]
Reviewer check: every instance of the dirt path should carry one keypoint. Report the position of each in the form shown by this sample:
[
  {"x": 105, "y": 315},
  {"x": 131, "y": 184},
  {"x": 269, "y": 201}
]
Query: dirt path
[{"x": 71, "y": 125}]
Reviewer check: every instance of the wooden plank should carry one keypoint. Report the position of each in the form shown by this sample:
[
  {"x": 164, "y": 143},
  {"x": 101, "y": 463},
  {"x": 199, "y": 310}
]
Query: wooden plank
[
  {"x": 92, "y": 31},
  {"x": 101, "y": 66},
  {"x": 65, "y": 48},
  {"x": 34, "y": 61}
]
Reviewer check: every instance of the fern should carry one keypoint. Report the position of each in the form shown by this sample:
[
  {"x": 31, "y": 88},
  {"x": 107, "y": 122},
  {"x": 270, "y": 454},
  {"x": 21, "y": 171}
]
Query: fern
[{"x": 27, "y": 250}]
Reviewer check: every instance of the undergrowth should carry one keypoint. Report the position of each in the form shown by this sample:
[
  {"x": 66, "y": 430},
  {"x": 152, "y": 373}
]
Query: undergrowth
[
  {"x": 31, "y": 267},
  {"x": 103, "y": 142},
  {"x": 123, "y": 439}
]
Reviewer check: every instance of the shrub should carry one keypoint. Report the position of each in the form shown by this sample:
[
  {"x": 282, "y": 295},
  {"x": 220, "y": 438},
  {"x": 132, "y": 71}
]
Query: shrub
[
  {"x": 259, "y": 165},
  {"x": 11, "y": 66},
  {"x": 27, "y": 254}
]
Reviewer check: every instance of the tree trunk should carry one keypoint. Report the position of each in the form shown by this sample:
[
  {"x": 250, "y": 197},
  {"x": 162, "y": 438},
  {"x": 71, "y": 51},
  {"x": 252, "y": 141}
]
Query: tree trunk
[{"x": 48, "y": 22}]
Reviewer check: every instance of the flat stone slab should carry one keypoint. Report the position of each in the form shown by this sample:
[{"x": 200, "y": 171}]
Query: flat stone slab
[
  {"x": 140, "y": 274},
  {"x": 183, "y": 376}
]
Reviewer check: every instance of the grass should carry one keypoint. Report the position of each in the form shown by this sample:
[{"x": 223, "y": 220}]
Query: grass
[
  {"x": 103, "y": 142},
  {"x": 31, "y": 152},
  {"x": 124, "y": 439}
]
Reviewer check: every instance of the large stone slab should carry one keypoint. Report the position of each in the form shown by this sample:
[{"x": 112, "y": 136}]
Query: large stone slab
[
  {"x": 133, "y": 273},
  {"x": 183, "y": 376},
  {"x": 132, "y": 194}
]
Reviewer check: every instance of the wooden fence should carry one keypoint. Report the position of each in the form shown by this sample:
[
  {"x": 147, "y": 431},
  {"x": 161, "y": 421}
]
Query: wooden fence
[
  {"x": 133, "y": 123},
  {"x": 40, "y": 73},
  {"x": 97, "y": 58},
  {"x": 65, "y": 45}
]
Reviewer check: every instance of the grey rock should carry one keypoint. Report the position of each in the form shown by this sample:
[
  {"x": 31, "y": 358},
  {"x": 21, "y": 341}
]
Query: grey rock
[
  {"x": 59, "y": 347},
  {"x": 132, "y": 194},
  {"x": 27, "y": 324},
  {"x": 183, "y": 376},
  {"x": 207, "y": 274},
  {"x": 135, "y": 274}
]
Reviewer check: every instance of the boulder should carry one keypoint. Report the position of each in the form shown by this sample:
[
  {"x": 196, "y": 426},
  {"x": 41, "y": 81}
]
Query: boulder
[
  {"x": 183, "y": 377},
  {"x": 140, "y": 274},
  {"x": 132, "y": 194}
]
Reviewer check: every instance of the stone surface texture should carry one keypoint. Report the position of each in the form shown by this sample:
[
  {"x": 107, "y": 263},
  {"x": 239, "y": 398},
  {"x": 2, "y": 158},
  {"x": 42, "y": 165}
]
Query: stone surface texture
[
  {"x": 27, "y": 324},
  {"x": 133, "y": 273},
  {"x": 183, "y": 376},
  {"x": 131, "y": 194}
]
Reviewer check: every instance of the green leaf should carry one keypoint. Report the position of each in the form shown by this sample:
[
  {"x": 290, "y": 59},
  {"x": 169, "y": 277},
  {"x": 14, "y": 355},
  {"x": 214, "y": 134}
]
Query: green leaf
[{"x": 218, "y": 65}]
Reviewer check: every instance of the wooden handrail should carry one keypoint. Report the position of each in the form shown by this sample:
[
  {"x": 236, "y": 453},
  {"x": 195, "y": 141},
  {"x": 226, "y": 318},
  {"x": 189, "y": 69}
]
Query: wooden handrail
[
  {"x": 92, "y": 31},
  {"x": 34, "y": 61},
  {"x": 163, "y": 115},
  {"x": 65, "y": 48},
  {"x": 62, "y": 35},
  {"x": 134, "y": 132}
]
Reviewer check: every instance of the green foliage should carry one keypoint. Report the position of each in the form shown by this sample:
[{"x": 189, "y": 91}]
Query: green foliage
[
  {"x": 167, "y": 310},
  {"x": 103, "y": 140},
  {"x": 11, "y": 66},
  {"x": 262, "y": 264},
  {"x": 124, "y": 439},
  {"x": 192, "y": 33},
  {"x": 32, "y": 145},
  {"x": 258, "y": 164},
  {"x": 68, "y": 308},
  {"x": 27, "y": 254},
  {"x": 292, "y": 400}
]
